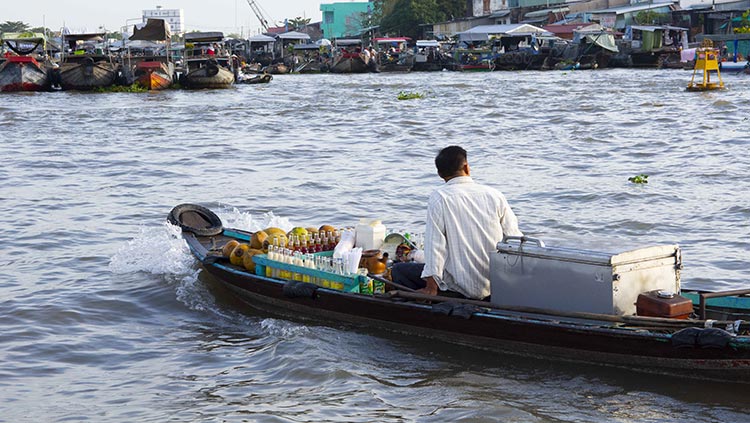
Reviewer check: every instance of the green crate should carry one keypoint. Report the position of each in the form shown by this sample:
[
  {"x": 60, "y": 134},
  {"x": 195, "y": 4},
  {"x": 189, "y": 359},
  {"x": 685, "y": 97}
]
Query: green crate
[{"x": 349, "y": 283}]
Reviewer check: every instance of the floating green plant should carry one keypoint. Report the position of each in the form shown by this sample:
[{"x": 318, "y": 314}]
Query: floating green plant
[
  {"x": 639, "y": 179},
  {"x": 409, "y": 96},
  {"x": 135, "y": 88}
]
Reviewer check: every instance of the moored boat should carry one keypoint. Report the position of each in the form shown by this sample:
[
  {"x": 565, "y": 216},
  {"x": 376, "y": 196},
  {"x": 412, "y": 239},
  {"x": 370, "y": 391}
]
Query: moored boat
[
  {"x": 347, "y": 57},
  {"x": 155, "y": 72},
  {"x": 679, "y": 345},
  {"x": 393, "y": 54},
  {"x": 207, "y": 63},
  {"x": 84, "y": 70},
  {"x": 21, "y": 71}
]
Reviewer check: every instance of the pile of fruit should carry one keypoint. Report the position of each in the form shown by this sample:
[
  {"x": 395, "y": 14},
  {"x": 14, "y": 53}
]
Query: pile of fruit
[{"x": 241, "y": 254}]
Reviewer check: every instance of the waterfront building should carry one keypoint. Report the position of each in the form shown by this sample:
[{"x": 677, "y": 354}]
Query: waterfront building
[
  {"x": 175, "y": 17},
  {"x": 344, "y": 19}
]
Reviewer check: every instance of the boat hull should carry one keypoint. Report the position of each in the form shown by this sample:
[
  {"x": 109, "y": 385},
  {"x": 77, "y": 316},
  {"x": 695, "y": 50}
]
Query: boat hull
[
  {"x": 87, "y": 75},
  {"x": 154, "y": 75},
  {"x": 552, "y": 336},
  {"x": 349, "y": 65},
  {"x": 205, "y": 77},
  {"x": 22, "y": 73}
]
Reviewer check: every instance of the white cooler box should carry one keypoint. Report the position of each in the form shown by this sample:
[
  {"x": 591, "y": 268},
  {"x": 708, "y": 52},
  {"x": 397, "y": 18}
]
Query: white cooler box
[{"x": 524, "y": 272}]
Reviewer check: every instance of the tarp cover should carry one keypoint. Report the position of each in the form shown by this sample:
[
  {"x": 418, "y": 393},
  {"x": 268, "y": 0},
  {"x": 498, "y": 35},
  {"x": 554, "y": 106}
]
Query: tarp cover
[
  {"x": 94, "y": 36},
  {"x": 603, "y": 40},
  {"x": 154, "y": 29},
  {"x": 260, "y": 38},
  {"x": 203, "y": 37}
]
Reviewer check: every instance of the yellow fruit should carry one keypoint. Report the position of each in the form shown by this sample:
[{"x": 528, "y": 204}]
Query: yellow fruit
[
  {"x": 247, "y": 259},
  {"x": 297, "y": 231},
  {"x": 229, "y": 247},
  {"x": 238, "y": 254},
  {"x": 257, "y": 240},
  {"x": 282, "y": 240},
  {"x": 312, "y": 230},
  {"x": 274, "y": 231},
  {"x": 327, "y": 228}
]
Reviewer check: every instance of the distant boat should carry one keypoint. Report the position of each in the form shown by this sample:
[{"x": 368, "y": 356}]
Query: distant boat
[
  {"x": 154, "y": 72},
  {"x": 393, "y": 55},
  {"x": 84, "y": 71},
  {"x": 207, "y": 63},
  {"x": 20, "y": 71},
  {"x": 347, "y": 57}
]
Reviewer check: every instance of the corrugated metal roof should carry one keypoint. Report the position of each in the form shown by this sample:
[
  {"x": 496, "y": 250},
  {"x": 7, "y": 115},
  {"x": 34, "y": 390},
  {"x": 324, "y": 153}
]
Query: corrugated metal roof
[{"x": 634, "y": 8}]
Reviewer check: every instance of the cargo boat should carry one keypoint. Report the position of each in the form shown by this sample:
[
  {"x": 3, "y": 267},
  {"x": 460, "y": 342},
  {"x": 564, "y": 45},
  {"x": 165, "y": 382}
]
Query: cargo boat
[{"x": 689, "y": 344}]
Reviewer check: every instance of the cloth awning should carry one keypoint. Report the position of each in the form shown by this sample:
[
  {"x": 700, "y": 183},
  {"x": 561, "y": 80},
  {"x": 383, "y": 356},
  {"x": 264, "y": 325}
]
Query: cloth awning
[{"x": 152, "y": 30}]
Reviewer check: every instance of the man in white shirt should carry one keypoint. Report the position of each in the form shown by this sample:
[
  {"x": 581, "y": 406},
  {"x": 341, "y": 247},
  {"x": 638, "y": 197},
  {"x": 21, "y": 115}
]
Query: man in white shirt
[{"x": 465, "y": 221}]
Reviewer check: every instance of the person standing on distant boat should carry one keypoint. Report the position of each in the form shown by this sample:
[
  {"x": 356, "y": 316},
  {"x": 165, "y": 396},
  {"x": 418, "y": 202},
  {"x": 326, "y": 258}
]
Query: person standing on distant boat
[{"x": 465, "y": 221}]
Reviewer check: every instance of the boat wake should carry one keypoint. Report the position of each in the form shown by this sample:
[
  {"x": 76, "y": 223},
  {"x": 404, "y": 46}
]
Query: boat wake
[{"x": 161, "y": 250}]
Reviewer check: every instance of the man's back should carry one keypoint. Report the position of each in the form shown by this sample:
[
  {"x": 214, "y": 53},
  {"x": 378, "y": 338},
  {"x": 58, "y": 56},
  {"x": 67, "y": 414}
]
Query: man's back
[{"x": 465, "y": 221}]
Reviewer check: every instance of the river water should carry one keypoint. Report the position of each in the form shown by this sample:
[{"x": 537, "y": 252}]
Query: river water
[{"x": 105, "y": 317}]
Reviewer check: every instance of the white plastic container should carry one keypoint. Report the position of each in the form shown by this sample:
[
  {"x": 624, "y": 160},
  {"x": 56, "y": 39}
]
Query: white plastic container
[{"x": 369, "y": 234}]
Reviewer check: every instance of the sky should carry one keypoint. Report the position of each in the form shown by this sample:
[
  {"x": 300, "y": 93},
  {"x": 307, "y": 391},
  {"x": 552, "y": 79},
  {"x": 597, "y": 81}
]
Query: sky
[{"x": 228, "y": 16}]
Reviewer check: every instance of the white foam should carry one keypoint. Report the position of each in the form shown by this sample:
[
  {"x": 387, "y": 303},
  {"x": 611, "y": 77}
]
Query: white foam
[
  {"x": 234, "y": 218},
  {"x": 158, "y": 250}
]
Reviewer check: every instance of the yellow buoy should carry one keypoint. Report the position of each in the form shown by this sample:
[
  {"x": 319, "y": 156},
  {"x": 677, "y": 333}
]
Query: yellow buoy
[{"x": 706, "y": 60}]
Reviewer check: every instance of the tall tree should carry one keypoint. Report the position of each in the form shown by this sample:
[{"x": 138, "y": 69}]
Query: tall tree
[
  {"x": 11, "y": 26},
  {"x": 403, "y": 17},
  {"x": 298, "y": 22}
]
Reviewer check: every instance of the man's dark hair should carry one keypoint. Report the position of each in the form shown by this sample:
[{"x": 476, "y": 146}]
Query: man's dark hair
[{"x": 450, "y": 160}]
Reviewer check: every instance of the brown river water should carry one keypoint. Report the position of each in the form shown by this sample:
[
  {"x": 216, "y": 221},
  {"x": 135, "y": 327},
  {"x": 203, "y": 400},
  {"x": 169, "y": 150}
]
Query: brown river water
[{"x": 105, "y": 317}]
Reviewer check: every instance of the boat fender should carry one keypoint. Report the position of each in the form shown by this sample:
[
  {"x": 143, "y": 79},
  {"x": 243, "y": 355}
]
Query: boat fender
[
  {"x": 296, "y": 289},
  {"x": 702, "y": 338},
  {"x": 195, "y": 219}
]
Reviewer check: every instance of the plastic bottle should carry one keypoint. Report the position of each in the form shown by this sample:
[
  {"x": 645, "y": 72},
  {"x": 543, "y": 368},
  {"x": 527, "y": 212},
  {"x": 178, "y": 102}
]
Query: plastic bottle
[{"x": 369, "y": 234}]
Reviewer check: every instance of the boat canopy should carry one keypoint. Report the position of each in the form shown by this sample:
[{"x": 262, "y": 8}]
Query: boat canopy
[
  {"x": 427, "y": 43},
  {"x": 94, "y": 36},
  {"x": 596, "y": 34},
  {"x": 293, "y": 35},
  {"x": 384, "y": 40},
  {"x": 348, "y": 42},
  {"x": 152, "y": 30},
  {"x": 306, "y": 46},
  {"x": 204, "y": 37},
  {"x": 260, "y": 38},
  {"x": 14, "y": 40}
]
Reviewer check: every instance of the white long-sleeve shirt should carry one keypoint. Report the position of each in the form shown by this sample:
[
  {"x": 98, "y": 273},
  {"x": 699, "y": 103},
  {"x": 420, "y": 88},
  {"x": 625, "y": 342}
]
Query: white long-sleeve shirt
[{"x": 465, "y": 221}]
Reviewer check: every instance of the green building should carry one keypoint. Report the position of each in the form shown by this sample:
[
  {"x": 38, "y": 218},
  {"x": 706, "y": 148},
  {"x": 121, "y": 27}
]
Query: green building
[{"x": 343, "y": 19}]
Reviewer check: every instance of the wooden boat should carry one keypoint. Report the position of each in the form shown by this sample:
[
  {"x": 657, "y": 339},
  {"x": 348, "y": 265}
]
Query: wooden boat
[
  {"x": 276, "y": 69},
  {"x": 208, "y": 63},
  {"x": 21, "y": 71},
  {"x": 84, "y": 71},
  {"x": 682, "y": 347},
  {"x": 393, "y": 55},
  {"x": 429, "y": 57},
  {"x": 347, "y": 57},
  {"x": 257, "y": 79},
  {"x": 153, "y": 72}
]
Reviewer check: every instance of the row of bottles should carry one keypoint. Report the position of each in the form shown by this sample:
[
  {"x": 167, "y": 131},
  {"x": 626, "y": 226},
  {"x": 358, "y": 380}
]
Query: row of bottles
[
  {"x": 308, "y": 243},
  {"x": 324, "y": 264}
]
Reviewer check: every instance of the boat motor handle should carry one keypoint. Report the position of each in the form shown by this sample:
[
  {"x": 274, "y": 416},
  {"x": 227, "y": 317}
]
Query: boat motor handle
[{"x": 523, "y": 239}]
